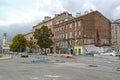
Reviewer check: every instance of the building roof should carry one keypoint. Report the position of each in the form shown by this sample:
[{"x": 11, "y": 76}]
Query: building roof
[
  {"x": 28, "y": 33},
  {"x": 118, "y": 21},
  {"x": 82, "y": 17},
  {"x": 56, "y": 15}
]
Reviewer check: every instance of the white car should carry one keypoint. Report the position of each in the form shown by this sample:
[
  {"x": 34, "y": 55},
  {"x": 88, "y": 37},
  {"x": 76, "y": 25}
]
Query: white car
[
  {"x": 111, "y": 53},
  {"x": 24, "y": 54}
]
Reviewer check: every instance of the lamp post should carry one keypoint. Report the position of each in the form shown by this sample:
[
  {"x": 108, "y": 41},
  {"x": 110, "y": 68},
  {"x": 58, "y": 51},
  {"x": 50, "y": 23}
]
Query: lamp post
[{"x": 118, "y": 68}]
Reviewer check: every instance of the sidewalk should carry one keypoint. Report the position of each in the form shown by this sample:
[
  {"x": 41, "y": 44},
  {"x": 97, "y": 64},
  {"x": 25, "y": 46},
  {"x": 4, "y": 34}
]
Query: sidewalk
[
  {"x": 6, "y": 56},
  {"x": 110, "y": 58}
]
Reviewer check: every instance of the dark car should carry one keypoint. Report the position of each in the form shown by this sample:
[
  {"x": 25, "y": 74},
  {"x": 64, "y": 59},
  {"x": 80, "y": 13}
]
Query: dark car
[
  {"x": 92, "y": 53},
  {"x": 24, "y": 54}
]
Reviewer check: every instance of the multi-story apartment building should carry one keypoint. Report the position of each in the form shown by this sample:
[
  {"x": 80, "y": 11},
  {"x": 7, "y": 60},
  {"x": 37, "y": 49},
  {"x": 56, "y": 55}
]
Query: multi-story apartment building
[
  {"x": 50, "y": 22},
  {"x": 92, "y": 28},
  {"x": 70, "y": 33},
  {"x": 115, "y": 33}
]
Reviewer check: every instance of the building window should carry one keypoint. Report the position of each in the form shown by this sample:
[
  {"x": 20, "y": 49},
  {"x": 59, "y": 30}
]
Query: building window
[
  {"x": 79, "y": 32},
  {"x": 75, "y": 34},
  {"x": 60, "y": 36},
  {"x": 66, "y": 36},
  {"x": 63, "y": 36},
  {"x": 62, "y": 27},
  {"x": 79, "y": 23},
  {"x": 66, "y": 27},
  {"x": 75, "y": 24},
  {"x": 70, "y": 25},
  {"x": 70, "y": 34}
]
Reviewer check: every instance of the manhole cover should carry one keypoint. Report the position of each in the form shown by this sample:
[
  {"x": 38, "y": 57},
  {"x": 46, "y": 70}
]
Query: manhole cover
[{"x": 92, "y": 65}]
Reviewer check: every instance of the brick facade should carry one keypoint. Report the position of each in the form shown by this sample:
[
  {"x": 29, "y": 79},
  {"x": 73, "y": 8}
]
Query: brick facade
[{"x": 92, "y": 28}]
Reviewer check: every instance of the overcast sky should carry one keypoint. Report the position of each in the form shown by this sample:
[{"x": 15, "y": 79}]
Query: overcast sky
[{"x": 19, "y": 16}]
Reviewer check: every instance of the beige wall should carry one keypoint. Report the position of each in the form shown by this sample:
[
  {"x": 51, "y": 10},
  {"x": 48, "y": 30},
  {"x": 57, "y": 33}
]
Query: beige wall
[
  {"x": 115, "y": 34},
  {"x": 29, "y": 36}
]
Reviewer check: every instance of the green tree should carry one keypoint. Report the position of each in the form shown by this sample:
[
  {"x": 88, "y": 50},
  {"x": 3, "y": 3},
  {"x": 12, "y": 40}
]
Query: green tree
[
  {"x": 30, "y": 45},
  {"x": 44, "y": 36},
  {"x": 18, "y": 43}
]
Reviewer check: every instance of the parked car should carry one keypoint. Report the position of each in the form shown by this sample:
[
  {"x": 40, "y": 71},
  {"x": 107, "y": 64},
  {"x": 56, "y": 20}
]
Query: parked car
[
  {"x": 92, "y": 53},
  {"x": 24, "y": 54},
  {"x": 111, "y": 53}
]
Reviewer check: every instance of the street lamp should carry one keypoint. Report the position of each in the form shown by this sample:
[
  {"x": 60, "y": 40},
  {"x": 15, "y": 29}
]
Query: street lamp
[
  {"x": 118, "y": 68},
  {"x": 93, "y": 62}
]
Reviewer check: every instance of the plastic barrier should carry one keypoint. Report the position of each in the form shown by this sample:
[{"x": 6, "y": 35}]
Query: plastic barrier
[{"x": 39, "y": 61}]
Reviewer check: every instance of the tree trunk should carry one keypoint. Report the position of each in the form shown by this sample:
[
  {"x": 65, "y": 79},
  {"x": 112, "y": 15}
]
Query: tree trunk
[{"x": 45, "y": 52}]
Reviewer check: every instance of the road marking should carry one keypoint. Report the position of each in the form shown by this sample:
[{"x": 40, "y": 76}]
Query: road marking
[
  {"x": 52, "y": 76},
  {"x": 35, "y": 78}
]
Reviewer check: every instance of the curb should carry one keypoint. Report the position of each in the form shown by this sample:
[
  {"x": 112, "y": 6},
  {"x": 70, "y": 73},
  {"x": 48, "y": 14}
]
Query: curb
[
  {"x": 6, "y": 57},
  {"x": 111, "y": 60},
  {"x": 114, "y": 60}
]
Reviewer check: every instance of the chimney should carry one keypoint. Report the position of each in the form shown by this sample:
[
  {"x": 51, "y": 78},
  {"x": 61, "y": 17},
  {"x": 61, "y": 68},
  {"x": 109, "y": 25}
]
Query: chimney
[
  {"x": 46, "y": 18},
  {"x": 78, "y": 14}
]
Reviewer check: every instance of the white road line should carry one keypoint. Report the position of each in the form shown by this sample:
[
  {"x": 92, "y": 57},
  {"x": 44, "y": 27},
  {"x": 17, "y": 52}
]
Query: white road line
[
  {"x": 35, "y": 78},
  {"x": 52, "y": 76}
]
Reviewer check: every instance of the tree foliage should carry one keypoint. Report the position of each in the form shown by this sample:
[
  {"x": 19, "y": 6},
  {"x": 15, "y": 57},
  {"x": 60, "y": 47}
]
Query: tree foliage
[
  {"x": 30, "y": 45},
  {"x": 18, "y": 43},
  {"x": 43, "y": 36}
]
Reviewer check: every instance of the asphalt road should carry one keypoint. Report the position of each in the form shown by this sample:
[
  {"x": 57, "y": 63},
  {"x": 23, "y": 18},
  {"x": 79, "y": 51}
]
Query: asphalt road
[{"x": 60, "y": 68}]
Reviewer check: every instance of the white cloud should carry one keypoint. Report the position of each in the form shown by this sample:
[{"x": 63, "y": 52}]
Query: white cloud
[
  {"x": 19, "y": 14},
  {"x": 87, "y": 6},
  {"x": 25, "y": 17},
  {"x": 23, "y": 14},
  {"x": 116, "y": 13}
]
